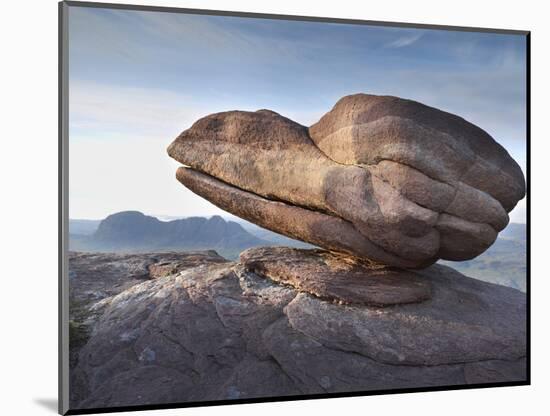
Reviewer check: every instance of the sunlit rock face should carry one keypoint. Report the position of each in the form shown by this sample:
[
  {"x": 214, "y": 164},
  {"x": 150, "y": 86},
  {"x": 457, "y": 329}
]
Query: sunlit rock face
[{"x": 380, "y": 178}]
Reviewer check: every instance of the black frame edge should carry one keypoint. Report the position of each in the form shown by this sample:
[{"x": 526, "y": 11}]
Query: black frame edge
[{"x": 528, "y": 197}]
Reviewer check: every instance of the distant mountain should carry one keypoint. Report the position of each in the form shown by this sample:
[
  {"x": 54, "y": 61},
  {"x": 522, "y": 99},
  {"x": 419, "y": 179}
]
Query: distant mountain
[
  {"x": 88, "y": 227},
  {"x": 504, "y": 263},
  {"x": 132, "y": 231},
  {"x": 83, "y": 227}
]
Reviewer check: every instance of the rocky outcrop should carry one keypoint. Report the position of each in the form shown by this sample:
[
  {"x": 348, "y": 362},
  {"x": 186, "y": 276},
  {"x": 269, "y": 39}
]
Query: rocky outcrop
[
  {"x": 215, "y": 330},
  {"x": 94, "y": 277},
  {"x": 380, "y": 178},
  {"x": 334, "y": 277}
]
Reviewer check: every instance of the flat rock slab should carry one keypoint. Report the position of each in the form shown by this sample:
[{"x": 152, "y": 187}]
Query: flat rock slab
[
  {"x": 95, "y": 276},
  {"x": 215, "y": 331},
  {"x": 336, "y": 277}
]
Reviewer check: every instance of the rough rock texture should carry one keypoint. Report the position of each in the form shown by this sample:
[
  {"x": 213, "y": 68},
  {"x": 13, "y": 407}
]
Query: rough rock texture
[
  {"x": 220, "y": 331},
  {"x": 334, "y": 277},
  {"x": 404, "y": 184},
  {"x": 368, "y": 129},
  {"x": 312, "y": 226},
  {"x": 94, "y": 277}
]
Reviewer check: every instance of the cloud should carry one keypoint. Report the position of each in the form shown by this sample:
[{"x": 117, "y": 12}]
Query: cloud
[
  {"x": 137, "y": 38},
  {"x": 117, "y": 143},
  {"x": 103, "y": 109},
  {"x": 127, "y": 173},
  {"x": 137, "y": 79},
  {"x": 492, "y": 98},
  {"x": 519, "y": 213},
  {"x": 405, "y": 40}
]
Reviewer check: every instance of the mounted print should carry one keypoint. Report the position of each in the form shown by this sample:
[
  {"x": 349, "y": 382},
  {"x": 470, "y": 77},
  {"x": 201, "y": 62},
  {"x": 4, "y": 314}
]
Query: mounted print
[{"x": 261, "y": 208}]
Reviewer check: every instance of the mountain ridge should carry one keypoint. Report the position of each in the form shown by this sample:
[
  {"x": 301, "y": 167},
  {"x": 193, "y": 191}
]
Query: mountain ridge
[
  {"x": 133, "y": 231},
  {"x": 503, "y": 263}
]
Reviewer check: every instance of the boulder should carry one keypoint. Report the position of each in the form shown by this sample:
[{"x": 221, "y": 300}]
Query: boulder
[{"x": 380, "y": 178}]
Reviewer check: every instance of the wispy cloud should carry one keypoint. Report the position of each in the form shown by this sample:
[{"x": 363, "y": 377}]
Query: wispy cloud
[
  {"x": 106, "y": 109},
  {"x": 137, "y": 79},
  {"x": 405, "y": 40}
]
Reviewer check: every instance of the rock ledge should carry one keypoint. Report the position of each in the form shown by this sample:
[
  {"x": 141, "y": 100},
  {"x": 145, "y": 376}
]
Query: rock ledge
[
  {"x": 335, "y": 277},
  {"x": 218, "y": 330}
]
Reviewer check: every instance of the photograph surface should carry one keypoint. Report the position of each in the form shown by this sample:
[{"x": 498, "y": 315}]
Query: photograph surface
[{"x": 266, "y": 208}]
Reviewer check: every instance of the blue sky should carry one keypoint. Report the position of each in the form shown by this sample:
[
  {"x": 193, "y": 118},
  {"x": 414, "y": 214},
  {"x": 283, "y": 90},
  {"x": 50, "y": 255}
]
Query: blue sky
[{"x": 137, "y": 79}]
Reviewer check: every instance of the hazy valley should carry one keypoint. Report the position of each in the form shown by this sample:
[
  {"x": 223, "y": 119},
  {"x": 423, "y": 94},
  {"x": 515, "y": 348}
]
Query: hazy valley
[{"x": 131, "y": 231}]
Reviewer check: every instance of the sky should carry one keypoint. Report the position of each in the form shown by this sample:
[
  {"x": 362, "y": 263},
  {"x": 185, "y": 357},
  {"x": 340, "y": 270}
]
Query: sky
[{"x": 137, "y": 79}]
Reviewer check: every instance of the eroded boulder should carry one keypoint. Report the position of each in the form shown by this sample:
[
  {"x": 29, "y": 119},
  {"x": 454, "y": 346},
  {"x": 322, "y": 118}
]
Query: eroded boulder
[{"x": 380, "y": 178}]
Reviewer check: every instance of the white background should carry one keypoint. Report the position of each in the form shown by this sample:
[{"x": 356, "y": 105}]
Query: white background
[{"x": 28, "y": 228}]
